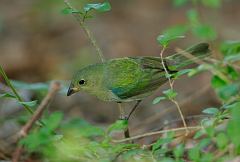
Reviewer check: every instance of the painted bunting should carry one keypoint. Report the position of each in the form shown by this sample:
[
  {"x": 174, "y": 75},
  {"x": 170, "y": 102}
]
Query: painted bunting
[{"x": 131, "y": 78}]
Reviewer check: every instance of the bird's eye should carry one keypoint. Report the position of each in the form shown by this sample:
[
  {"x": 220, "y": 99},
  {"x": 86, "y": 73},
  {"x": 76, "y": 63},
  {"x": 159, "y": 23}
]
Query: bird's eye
[{"x": 81, "y": 82}]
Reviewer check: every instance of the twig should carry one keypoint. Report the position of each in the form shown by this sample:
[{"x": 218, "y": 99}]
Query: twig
[
  {"x": 155, "y": 133},
  {"x": 160, "y": 115},
  {"x": 171, "y": 86},
  {"x": 19, "y": 98},
  {"x": 54, "y": 88},
  {"x": 85, "y": 28}
]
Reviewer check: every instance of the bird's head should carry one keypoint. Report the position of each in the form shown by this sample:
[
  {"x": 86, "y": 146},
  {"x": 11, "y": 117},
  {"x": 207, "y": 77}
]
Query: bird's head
[{"x": 86, "y": 79}]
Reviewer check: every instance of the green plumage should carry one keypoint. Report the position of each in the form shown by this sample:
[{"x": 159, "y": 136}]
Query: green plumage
[{"x": 131, "y": 78}]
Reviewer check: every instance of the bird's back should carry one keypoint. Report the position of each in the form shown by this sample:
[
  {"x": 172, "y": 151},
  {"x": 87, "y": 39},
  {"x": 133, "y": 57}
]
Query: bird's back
[{"x": 133, "y": 78}]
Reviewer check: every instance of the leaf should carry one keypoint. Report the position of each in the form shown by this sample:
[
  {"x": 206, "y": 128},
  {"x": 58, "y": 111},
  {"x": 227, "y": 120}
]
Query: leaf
[
  {"x": 29, "y": 103},
  {"x": 179, "y": 3},
  {"x": 232, "y": 73},
  {"x": 212, "y": 3},
  {"x": 182, "y": 72},
  {"x": 193, "y": 17},
  {"x": 178, "y": 151},
  {"x": 200, "y": 68},
  {"x": 68, "y": 10},
  {"x": 230, "y": 105},
  {"x": 207, "y": 157},
  {"x": 221, "y": 140},
  {"x": 119, "y": 125},
  {"x": 194, "y": 154},
  {"x": 211, "y": 111},
  {"x": 217, "y": 82},
  {"x": 53, "y": 121},
  {"x": 7, "y": 95},
  {"x": 158, "y": 99},
  {"x": 31, "y": 86},
  {"x": 230, "y": 48},
  {"x": 232, "y": 58},
  {"x": 199, "y": 134},
  {"x": 204, "y": 143},
  {"x": 172, "y": 33},
  {"x": 160, "y": 142},
  {"x": 171, "y": 94},
  {"x": 101, "y": 7},
  {"x": 233, "y": 130},
  {"x": 82, "y": 128},
  {"x": 204, "y": 31},
  {"x": 228, "y": 91},
  {"x": 210, "y": 130}
]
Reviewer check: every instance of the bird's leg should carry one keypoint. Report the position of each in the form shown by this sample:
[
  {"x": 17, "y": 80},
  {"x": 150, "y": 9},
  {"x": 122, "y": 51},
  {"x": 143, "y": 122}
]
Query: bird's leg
[
  {"x": 123, "y": 117},
  {"x": 133, "y": 109},
  {"x": 121, "y": 111}
]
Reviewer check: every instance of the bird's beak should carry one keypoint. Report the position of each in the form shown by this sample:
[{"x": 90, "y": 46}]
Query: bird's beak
[{"x": 71, "y": 90}]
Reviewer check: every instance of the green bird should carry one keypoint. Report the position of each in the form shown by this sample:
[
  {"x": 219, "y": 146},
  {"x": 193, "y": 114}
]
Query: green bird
[{"x": 131, "y": 78}]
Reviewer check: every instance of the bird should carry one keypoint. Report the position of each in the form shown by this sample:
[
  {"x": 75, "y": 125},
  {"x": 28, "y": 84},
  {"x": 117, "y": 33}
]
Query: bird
[{"x": 129, "y": 79}]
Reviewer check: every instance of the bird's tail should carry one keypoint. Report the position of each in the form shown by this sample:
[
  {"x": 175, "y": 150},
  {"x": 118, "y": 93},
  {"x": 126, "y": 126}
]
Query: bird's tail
[{"x": 189, "y": 56}]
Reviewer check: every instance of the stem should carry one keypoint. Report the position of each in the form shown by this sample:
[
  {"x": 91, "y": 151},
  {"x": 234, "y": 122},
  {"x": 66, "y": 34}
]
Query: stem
[
  {"x": 19, "y": 98},
  {"x": 155, "y": 133},
  {"x": 171, "y": 86},
  {"x": 86, "y": 30},
  {"x": 54, "y": 88}
]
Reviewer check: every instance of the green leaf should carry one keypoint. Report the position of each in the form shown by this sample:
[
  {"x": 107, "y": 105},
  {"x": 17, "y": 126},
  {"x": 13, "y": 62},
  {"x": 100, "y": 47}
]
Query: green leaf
[
  {"x": 119, "y": 125},
  {"x": 210, "y": 131},
  {"x": 233, "y": 130},
  {"x": 172, "y": 33},
  {"x": 182, "y": 72},
  {"x": 194, "y": 154},
  {"x": 68, "y": 10},
  {"x": 230, "y": 48},
  {"x": 212, "y": 3},
  {"x": 193, "y": 17},
  {"x": 158, "y": 99},
  {"x": 228, "y": 91},
  {"x": 82, "y": 128},
  {"x": 230, "y": 105},
  {"x": 232, "y": 58},
  {"x": 160, "y": 142},
  {"x": 178, "y": 151},
  {"x": 179, "y": 3},
  {"x": 199, "y": 134},
  {"x": 7, "y": 95},
  {"x": 29, "y": 103},
  {"x": 31, "y": 86},
  {"x": 217, "y": 82},
  {"x": 232, "y": 73},
  {"x": 204, "y": 31},
  {"x": 204, "y": 143},
  {"x": 207, "y": 157},
  {"x": 211, "y": 111},
  {"x": 101, "y": 7},
  {"x": 221, "y": 140},
  {"x": 171, "y": 94},
  {"x": 53, "y": 121}
]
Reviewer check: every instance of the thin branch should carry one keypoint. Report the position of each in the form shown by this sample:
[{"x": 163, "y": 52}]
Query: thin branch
[
  {"x": 54, "y": 88},
  {"x": 171, "y": 86},
  {"x": 157, "y": 132},
  {"x": 86, "y": 30},
  {"x": 19, "y": 98}
]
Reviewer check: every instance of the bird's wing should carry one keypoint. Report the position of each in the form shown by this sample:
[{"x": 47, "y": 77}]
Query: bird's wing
[{"x": 134, "y": 77}]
